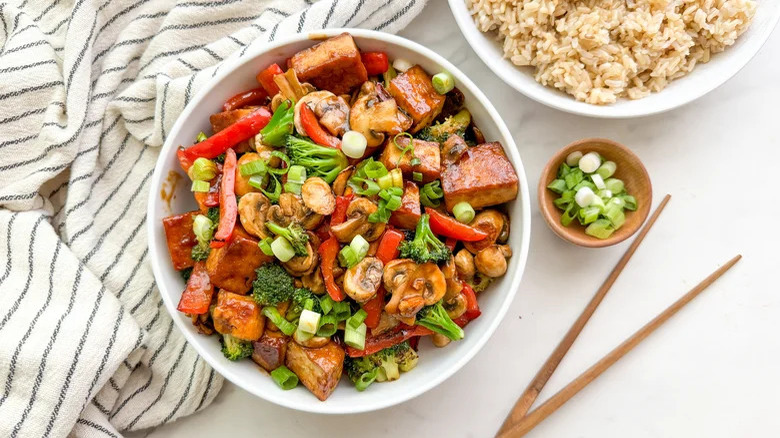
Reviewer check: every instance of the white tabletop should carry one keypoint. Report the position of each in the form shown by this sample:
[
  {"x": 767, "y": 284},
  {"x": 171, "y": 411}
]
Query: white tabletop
[{"x": 711, "y": 371}]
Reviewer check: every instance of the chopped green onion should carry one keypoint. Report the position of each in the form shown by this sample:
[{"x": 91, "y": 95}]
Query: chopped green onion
[
  {"x": 589, "y": 214},
  {"x": 600, "y": 229},
  {"x": 375, "y": 169},
  {"x": 615, "y": 215},
  {"x": 301, "y": 335},
  {"x": 589, "y": 162},
  {"x": 329, "y": 325},
  {"x": 348, "y": 257},
  {"x": 309, "y": 321},
  {"x": 402, "y": 64},
  {"x": 573, "y": 178},
  {"x": 202, "y": 169},
  {"x": 607, "y": 169},
  {"x": 404, "y": 150},
  {"x": 355, "y": 320},
  {"x": 355, "y": 337},
  {"x": 203, "y": 228},
  {"x": 563, "y": 170},
  {"x": 585, "y": 183},
  {"x": 285, "y": 159},
  {"x": 296, "y": 174},
  {"x": 463, "y": 212},
  {"x": 382, "y": 214},
  {"x": 258, "y": 181},
  {"x": 573, "y": 158},
  {"x": 256, "y": 167},
  {"x": 353, "y": 144},
  {"x": 561, "y": 202},
  {"x": 364, "y": 186},
  {"x": 615, "y": 185},
  {"x": 558, "y": 186},
  {"x": 282, "y": 249},
  {"x": 385, "y": 181},
  {"x": 308, "y": 304},
  {"x": 366, "y": 379},
  {"x": 285, "y": 378},
  {"x": 630, "y": 202},
  {"x": 415, "y": 162},
  {"x": 398, "y": 177},
  {"x": 200, "y": 186},
  {"x": 285, "y": 326},
  {"x": 616, "y": 201},
  {"x": 201, "y": 136},
  {"x": 417, "y": 176},
  {"x": 598, "y": 181},
  {"x": 360, "y": 245},
  {"x": 293, "y": 187},
  {"x": 265, "y": 246},
  {"x": 443, "y": 82},
  {"x": 394, "y": 203},
  {"x": 277, "y": 188},
  {"x": 431, "y": 193},
  {"x": 326, "y": 304},
  {"x": 568, "y": 215},
  {"x": 341, "y": 310},
  {"x": 584, "y": 197}
]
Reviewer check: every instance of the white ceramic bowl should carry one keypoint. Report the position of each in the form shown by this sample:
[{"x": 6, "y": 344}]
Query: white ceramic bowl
[
  {"x": 435, "y": 364},
  {"x": 703, "y": 79}
]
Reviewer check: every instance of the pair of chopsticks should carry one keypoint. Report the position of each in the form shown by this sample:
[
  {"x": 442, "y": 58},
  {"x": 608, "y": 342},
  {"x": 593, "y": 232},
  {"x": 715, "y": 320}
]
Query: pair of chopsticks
[{"x": 520, "y": 421}]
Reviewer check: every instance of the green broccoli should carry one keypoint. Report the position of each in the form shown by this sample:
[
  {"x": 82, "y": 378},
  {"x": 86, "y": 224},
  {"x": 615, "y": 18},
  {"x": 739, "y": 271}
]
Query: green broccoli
[
  {"x": 435, "y": 318},
  {"x": 405, "y": 356},
  {"x": 298, "y": 303},
  {"x": 361, "y": 371},
  {"x": 294, "y": 234},
  {"x": 236, "y": 349},
  {"x": 480, "y": 282},
  {"x": 213, "y": 215},
  {"x": 200, "y": 253},
  {"x": 272, "y": 286},
  {"x": 425, "y": 247},
  {"x": 382, "y": 366},
  {"x": 185, "y": 274},
  {"x": 318, "y": 160},
  {"x": 441, "y": 131}
]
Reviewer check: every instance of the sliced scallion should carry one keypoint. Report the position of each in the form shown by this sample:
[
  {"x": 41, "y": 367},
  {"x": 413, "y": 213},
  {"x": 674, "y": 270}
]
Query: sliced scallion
[
  {"x": 385, "y": 181},
  {"x": 355, "y": 337},
  {"x": 615, "y": 185},
  {"x": 417, "y": 176},
  {"x": 282, "y": 249},
  {"x": 443, "y": 82},
  {"x": 558, "y": 186},
  {"x": 200, "y": 186},
  {"x": 573, "y": 178},
  {"x": 296, "y": 174},
  {"x": 256, "y": 167},
  {"x": 202, "y": 169},
  {"x": 348, "y": 257},
  {"x": 292, "y": 187},
  {"x": 573, "y": 158},
  {"x": 258, "y": 181},
  {"x": 285, "y": 378},
  {"x": 375, "y": 169},
  {"x": 329, "y": 325},
  {"x": 589, "y": 162},
  {"x": 463, "y": 212},
  {"x": 265, "y": 246},
  {"x": 285, "y": 326},
  {"x": 630, "y": 202},
  {"x": 601, "y": 229},
  {"x": 607, "y": 169}
]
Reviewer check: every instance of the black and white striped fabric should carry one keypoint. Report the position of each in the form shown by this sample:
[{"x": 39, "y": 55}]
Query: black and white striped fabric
[{"x": 88, "y": 91}]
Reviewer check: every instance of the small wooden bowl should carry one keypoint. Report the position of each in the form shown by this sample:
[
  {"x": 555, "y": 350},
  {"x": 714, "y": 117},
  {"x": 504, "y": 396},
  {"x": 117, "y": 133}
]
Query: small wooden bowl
[{"x": 629, "y": 169}]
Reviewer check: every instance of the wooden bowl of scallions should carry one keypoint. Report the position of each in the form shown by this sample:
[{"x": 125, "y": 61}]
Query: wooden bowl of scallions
[{"x": 595, "y": 193}]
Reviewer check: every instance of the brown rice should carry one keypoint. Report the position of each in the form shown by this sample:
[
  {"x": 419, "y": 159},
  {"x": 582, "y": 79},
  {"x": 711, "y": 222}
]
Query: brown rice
[{"x": 600, "y": 50}]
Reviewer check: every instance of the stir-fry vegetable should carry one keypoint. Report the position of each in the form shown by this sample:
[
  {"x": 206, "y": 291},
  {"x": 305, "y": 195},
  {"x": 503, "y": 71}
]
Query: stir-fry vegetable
[
  {"x": 425, "y": 247},
  {"x": 325, "y": 162}
]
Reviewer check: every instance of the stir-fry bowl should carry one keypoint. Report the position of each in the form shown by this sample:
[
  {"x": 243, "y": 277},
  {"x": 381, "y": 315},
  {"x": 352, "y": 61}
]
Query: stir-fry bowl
[{"x": 435, "y": 364}]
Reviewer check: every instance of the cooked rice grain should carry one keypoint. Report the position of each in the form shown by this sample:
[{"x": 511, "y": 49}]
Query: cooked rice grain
[{"x": 600, "y": 50}]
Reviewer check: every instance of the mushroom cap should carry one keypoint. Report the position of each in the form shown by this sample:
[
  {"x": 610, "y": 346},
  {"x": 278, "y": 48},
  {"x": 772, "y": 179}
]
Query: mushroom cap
[
  {"x": 361, "y": 282},
  {"x": 357, "y": 222},
  {"x": 252, "y": 210},
  {"x": 490, "y": 221},
  {"x": 318, "y": 196},
  {"x": 491, "y": 261}
]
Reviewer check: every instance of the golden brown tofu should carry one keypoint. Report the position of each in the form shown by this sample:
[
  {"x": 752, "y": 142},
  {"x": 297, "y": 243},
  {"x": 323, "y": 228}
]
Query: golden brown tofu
[
  {"x": 181, "y": 239},
  {"x": 220, "y": 121},
  {"x": 319, "y": 369},
  {"x": 232, "y": 267},
  {"x": 483, "y": 176},
  {"x": 270, "y": 350},
  {"x": 332, "y": 65},
  {"x": 242, "y": 186},
  {"x": 426, "y": 151},
  {"x": 408, "y": 214},
  {"x": 414, "y": 93},
  {"x": 238, "y": 315}
]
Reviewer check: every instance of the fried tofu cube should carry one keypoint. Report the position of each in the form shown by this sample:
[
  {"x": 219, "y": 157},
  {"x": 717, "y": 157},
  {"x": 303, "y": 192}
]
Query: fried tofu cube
[
  {"x": 414, "y": 93},
  {"x": 408, "y": 214},
  {"x": 180, "y": 238},
  {"x": 319, "y": 369},
  {"x": 427, "y": 151},
  {"x": 232, "y": 267},
  {"x": 270, "y": 350},
  {"x": 482, "y": 176},
  {"x": 220, "y": 121},
  {"x": 238, "y": 315},
  {"x": 332, "y": 65}
]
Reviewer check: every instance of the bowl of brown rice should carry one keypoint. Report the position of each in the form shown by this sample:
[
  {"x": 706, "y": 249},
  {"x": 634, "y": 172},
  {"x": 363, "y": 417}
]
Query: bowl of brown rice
[{"x": 616, "y": 58}]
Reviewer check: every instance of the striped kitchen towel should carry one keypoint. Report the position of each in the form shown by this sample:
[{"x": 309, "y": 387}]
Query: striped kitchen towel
[{"x": 88, "y": 91}]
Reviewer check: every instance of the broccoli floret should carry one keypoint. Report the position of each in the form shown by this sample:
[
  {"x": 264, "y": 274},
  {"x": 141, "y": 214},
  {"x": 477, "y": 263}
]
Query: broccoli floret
[
  {"x": 435, "y": 318},
  {"x": 294, "y": 234},
  {"x": 480, "y": 282},
  {"x": 185, "y": 274},
  {"x": 213, "y": 215},
  {"x": 298, "y": 303},
  {"x": 361, "y": 371},
  {"x": 200, "y": 252},
  {"x": 318, "y": 160},
  {"x": 272, "y": 286},
  {"x": 441, "y": 131},
  {"x": 405, "y": 356},
  {"x": 383, "y": 366},
  {"x": 425, "y": 247},
  {"x": 235, "y": 349}
]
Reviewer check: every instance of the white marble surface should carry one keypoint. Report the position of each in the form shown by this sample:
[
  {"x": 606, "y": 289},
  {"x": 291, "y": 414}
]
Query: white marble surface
[{"x": 711, "y": 371}]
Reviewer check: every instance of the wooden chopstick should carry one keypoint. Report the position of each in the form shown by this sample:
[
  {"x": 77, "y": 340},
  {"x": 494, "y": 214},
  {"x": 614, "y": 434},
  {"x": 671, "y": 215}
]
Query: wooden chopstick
[
  {"x": 539, "y": 414},
  {"x": 535, "y": 387}
]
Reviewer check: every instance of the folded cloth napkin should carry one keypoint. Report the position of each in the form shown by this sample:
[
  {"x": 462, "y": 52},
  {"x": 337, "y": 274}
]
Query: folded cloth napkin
[{"x": 88, "y": 91}]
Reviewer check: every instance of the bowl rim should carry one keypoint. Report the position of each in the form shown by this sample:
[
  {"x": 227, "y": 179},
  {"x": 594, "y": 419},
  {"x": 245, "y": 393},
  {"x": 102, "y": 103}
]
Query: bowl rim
[
  {"x": 542, "y": 193},
  {"x": 507, "y": 71},
  {"x": 509, "y": 291}
]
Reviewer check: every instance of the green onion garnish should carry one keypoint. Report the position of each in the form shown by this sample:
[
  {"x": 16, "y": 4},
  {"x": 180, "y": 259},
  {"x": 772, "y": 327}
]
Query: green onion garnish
[
  {"x": 615, "y": 185},
  {"x": 443, "y": 82},
  {"x": 285, "y": 326},
  {"x": 201, "y": 136},
  {"x": 414, "y": 162},
  {"x": 375, "y": 169},
  {"x": 601, "y": 229},
  {"x": 364, "y": 186},
  {"x": 463, "y": 212},
  {"x": 285, "y": 159},
  {"x": 348, "y": 257},
  {"x": 607, "y": 169},
  {"x": 558, "y": 186},
  {"x": 355, "y": 337},
  {"x": 355, "y": 320},
  {"x": 326, "y": 303},
  {"x": 431, "y": 193},
  {"x": 285, "y": 378},
  {"x": 296, "y": 174},
  {"x": 265, "y": 246},
  {"x": 256, "y": 167},
  {"x": 417, "y": 176},
  {"x": 292, "y": 187},
  {"x": 341, "y": 310},
  {"x": 200, "y": 186},
  {"x": 328, "y": 326},
  {"x": 282, "y": 249},
  {"x": 385, "y": 181},
  {"x": 258, "y": 181}
]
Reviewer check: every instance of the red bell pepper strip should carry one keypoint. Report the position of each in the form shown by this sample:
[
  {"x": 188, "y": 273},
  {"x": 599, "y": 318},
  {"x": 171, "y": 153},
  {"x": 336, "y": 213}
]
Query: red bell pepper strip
[
  {"x": 388, "y": 339},
  {"x": 266, "y": 79},
  {"x": 451, "y": 243},
  {"x": 196, "y": 298},
  {"x": 449, "y": 227},
  {"x": 340, "y": 213},
  {"x": 248, "y": 97},
  {"x": 228, "y": 209},
  {"x": 376, "y": 63},
  {"x": 329, "y": 251},
  {"x": 373, "y": 308},
  {"x": 244, "y": 129},
  {"x": 313, "y": 129},
  {"x": 388, "y": 245},
  {"x": 472, "y": 307}
]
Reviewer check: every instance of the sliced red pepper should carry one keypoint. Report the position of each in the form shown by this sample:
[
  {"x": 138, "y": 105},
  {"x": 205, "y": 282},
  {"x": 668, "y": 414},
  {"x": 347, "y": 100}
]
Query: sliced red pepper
[
  {"x": 196, "y": 298},
  {"x": 374, "y": 308},
  {"x": 266, "y": 79},
  {"x": 329, "y": 251},
  {"x": 472, "y": 306},
  {"x": 244, "y": 129},
  {"x": 313, "y": 129},
  {"x": 451, "y": 243},
  {"x": 388, "y": 339},
  {"x": 255, "y": 96},
  {"x": 340, "y": 213},
  {"x": 388, "y": 245},
  {"x": 228, "y": 209},
  {"x": 376, "y": 63},
  {"x": 447, "y": 226}
]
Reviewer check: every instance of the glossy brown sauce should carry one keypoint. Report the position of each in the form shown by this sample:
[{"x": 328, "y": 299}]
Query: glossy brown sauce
[{"x": 168, "y": 189}]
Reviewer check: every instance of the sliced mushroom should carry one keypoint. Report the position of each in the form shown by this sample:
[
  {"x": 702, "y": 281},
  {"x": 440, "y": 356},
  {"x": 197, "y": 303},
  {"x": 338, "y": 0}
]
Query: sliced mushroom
[
  {"x": 340, "y": 183},
  {"x": 439, "y": 340},
  {"x": 362, "y": 280},
  {"x": 431, "y": 282},
  {"x": 289, "y": 86},
  {"x": 292, "y": 209},
  {"x": 451, "y": 276},
  {"x": 386, "y": 323},
  {"x": 333, "y": 113},
  {"x": 412, "y": 286},
  {"x": 452, "y": 149},
  {"x": 491, "y": 261},
  {"x": 374, "y": 115},
  {"x": 302, "y": 265},
  {"x": 313, "y": 342},
  {"x": 263, "y": 151},
  {"x": 464, "y": 263},
  {"x": 311, "y": 99},
  {"x": 455, "y": 307},
  {"x": 357, "y": 222},
  {"x": 314, "y": 282},
  {"x": 252, "y": 210},
  {"x": 490, "y": 221},
  {"x": 318, "y": 196}
]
